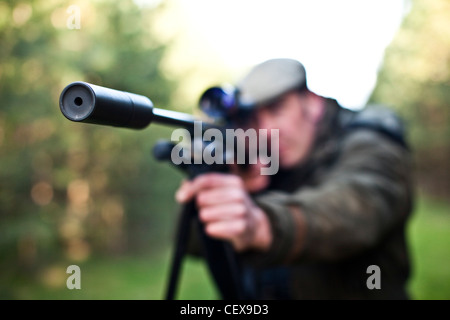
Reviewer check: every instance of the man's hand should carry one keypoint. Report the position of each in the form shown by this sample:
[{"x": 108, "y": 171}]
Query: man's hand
[{"x": 227, "y": 210}]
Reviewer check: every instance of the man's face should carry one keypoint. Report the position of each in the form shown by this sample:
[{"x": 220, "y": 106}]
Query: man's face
[{"x": 292, "y": 116}]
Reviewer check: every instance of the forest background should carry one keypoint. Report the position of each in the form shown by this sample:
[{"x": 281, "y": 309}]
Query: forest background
[{"x": 94, "y": 196}]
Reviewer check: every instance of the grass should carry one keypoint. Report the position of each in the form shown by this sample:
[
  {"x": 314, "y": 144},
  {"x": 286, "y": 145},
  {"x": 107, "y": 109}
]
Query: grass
[
  {"x": 121, "y": 278},
  {"x": 146, "y": 277},
  {"x": 429, "y": 238}
]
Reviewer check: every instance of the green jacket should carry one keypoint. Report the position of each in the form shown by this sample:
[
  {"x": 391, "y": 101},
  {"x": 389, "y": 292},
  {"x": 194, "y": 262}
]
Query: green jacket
[{"x": 354, "y": 195}]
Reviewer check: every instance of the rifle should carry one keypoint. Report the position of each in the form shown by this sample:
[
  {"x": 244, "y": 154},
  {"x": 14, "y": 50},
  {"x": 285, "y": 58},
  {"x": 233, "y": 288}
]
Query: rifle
[{"x": 89, "y": 103}]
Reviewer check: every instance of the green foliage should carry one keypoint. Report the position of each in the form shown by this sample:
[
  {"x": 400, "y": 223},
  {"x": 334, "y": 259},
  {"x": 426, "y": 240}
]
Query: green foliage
[
  {"x": 68, "y": 189},
  {"x": 429, "y": 239},
  {"x": 415, "y": 79},
  {"x": 415, "y": 75}
]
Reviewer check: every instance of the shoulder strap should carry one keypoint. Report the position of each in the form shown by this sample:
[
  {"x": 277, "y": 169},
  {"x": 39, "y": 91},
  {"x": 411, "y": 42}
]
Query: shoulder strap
[{"x": 382, "y": 120}]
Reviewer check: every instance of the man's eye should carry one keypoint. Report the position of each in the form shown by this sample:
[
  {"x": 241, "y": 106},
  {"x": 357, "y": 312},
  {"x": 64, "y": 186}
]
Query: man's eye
[{"x": 276, "y": 109}]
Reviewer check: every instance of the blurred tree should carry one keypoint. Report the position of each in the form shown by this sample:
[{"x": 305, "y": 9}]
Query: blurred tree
[
  {"x": 415, "y": 79},
  {"x": 68, "y": 189}
]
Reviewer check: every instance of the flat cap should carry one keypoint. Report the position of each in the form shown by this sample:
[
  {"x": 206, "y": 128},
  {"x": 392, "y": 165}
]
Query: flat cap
[{"x": 269, "y": 80}]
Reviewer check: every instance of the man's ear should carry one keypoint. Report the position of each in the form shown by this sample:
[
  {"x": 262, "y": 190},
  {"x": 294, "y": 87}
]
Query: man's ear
[{"x": 316, "y": 107}]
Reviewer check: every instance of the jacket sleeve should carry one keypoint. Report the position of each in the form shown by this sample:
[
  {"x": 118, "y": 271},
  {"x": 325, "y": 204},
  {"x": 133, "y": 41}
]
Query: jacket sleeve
[{"x": 364, "y": 195}]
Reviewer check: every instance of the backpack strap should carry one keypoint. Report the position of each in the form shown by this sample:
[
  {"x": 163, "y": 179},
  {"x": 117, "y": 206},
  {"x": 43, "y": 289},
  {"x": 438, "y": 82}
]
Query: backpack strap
[{"x": 382, "y": 120}]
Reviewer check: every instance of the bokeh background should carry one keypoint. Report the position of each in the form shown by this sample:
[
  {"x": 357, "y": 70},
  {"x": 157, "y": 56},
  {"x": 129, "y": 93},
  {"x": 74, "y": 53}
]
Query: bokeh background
[{"x": 93, "y": 196}]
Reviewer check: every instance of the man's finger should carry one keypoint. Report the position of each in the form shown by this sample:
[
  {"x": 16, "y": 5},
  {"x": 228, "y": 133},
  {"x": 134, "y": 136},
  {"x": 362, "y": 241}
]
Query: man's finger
[
  {"x": 227, "y": 211},
  {"x": 213, "y": 180},
  {"x": 226, "y": 229},
  {"x": 185, "y": 192},
  {"x": 190, "y": 189},
  {"x": 217, "y": 196}
]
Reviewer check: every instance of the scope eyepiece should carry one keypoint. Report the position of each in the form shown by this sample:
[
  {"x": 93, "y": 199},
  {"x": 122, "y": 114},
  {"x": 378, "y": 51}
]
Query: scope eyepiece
[{"x": 219, "y": 102}]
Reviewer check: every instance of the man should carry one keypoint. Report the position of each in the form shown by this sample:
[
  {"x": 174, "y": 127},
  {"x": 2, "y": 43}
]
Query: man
[{"x": 331, "y": 223}]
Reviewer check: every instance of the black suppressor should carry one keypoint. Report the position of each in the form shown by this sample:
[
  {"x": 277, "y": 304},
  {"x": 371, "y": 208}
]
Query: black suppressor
[{"x": 84, "y": 102}]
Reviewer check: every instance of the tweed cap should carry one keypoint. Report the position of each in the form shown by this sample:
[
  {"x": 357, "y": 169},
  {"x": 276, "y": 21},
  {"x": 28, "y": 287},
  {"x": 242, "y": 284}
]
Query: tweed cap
[{"x": 269, "y": 80}]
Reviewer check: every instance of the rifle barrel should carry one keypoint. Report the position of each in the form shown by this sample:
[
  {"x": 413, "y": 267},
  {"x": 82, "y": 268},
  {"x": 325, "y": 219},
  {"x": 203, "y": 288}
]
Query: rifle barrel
[{"x": 85, "y": 102}]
